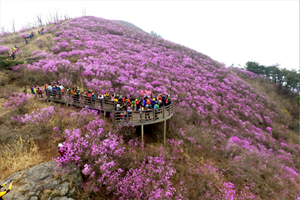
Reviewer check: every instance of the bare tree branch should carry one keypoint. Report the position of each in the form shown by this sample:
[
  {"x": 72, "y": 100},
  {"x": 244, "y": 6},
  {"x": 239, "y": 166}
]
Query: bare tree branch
[
  {"x": 28, "y": 25},
  {"x": 39, "y": 19},
  {"x": 66, "y": 17},
  {"x": 13, "y": 24},
  {"x": 54, "y": 16},
  {"x": 83, "y": 12}
]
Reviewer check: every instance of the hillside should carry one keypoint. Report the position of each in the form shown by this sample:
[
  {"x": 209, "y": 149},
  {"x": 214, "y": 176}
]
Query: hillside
[{"x": 228, "y": 138}]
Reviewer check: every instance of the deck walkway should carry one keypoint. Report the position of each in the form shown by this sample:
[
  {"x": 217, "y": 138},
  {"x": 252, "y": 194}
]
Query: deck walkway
[{"x": 135, "y": 118}]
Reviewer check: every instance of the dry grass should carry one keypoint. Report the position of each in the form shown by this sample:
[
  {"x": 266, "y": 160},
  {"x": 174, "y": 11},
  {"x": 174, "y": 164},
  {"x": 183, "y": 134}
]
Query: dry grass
[
  {"x": 12, "y": 39},
  {"x": 18, "y": 156},
  {"x": 288, "y": 108}
]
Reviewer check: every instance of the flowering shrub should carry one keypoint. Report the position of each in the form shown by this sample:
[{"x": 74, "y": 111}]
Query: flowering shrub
[
  {"x": 22, "y": 29},
  {"x": 4, "y": 49},
  {"x": 16, "y": 100},
  {"x": 40, "y": 43},
  {"x": 245, "y": 73},
  {"x": 239, "y": 123},
  {"x": 39, "y": 116},
  {"x": 23, "y": 35},
  {"x": 101, "y": 154},
  {"x": 3, "y": 33}
]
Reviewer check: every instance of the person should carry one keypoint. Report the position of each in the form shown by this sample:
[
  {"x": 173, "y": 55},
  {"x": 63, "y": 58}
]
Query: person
[
  {"x": 8, "y": 56},
  {"x": 54, "y": 90},
  {"x": 120, "y": 98},
  {"x": 133, "y": 105},
  {"x": 58, "y": 92},
  {"x": 39, "y": 91},
  {"x": 116, "y": 101},
  {"x": 131, "y": 98},
  {"x": 118, "y": 107},
  {"x": 106, "y": 95},
  {"x": 72, "y": 91},
  {"x": 35, "y": 91},
  {"x": 61, "y": 88},
  {"x": 49, "y": 88},
  {"x": 137, "y": 104},
  {"x": 25, "y": 90},
  {"x": 147, "y": 116},
  {"x": 13, "y": 55},
  {"x": 17, "y": 47},
  {"x": 68, "y": 91},
  {"x": 45, "y": 89},
  {"x": 5, "y": 191},
  {"x": 156, "y": 108},
  {"x": 39, "y": 32},
  {"x": 26, "y": 41},
  {"x": 141, "y": 109},
  {"x": 93, "y": 97},
  {"x": 153, "y": 102},
  {"x": 77, "y": 94},
  {"x": 129, "y": 110},
  {"x": 32, "y": 92},
  {"x": 169, "y": 100},
  {"x": 89, "y": 96},
  {"x": 101, "y": 97},
  {"x": 61, "y": 150}
]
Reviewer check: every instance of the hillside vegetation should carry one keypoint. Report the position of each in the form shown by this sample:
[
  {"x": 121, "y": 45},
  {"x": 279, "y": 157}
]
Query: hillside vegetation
[{"x": 228, "y": 138}]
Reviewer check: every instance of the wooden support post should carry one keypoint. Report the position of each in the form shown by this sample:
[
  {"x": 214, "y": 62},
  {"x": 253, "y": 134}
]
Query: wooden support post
[
  {"x": 153, "y": 115},
  {"x": 104, "y": 113},
  {"x": 163, "y": 112},
  {"x": 165, "y": 129},
  {"x": 113, "y": 117},
  {"x": 142, "y": 131}
]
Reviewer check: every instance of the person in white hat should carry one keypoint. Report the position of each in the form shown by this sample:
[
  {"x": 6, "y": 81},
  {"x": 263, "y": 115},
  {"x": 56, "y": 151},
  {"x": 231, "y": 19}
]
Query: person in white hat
[{"x": 61, "y": 151}]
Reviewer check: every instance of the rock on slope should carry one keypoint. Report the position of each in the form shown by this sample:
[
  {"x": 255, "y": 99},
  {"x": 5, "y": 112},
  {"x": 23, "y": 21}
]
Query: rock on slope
[{"x": 39, "y": 182}]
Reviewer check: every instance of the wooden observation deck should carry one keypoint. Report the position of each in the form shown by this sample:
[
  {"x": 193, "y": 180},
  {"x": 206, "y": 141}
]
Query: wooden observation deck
[{"x": 135, "y": 118}]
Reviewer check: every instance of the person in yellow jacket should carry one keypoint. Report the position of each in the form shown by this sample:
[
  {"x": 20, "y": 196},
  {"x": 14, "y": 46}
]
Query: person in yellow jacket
[{"x": 6, "y": 191}]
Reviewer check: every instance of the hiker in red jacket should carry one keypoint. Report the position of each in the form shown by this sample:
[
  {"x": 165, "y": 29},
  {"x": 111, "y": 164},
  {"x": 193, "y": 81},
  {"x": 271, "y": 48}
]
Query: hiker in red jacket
[{"x": 61, "y": 150}]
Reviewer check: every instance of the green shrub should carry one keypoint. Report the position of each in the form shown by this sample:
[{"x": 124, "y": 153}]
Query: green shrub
[{"x": 6, "y": 64}]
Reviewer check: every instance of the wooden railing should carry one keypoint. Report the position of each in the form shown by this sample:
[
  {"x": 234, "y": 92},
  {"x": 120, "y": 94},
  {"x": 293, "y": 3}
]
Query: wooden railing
[
  {"x": 119, "y": 117},
  {"x": 142, "y": 117},
  {"x": 82, "y": 101}
]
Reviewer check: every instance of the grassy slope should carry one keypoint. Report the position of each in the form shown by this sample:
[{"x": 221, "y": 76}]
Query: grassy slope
[{"x": 26, "y": 49}]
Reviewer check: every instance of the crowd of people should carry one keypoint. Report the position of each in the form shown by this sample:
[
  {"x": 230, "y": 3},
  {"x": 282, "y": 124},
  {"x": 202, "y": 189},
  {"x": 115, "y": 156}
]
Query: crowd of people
[
  {"x": 28, "y": 36},
  {"x": 41, "y": 31},
  {"x": 121, "y": 103},
  {"x": 12, "y": 53}
]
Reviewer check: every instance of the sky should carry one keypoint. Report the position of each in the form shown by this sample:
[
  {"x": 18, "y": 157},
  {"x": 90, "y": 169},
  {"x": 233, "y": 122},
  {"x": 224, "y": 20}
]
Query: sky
[{"x": 231, "y": 32}]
